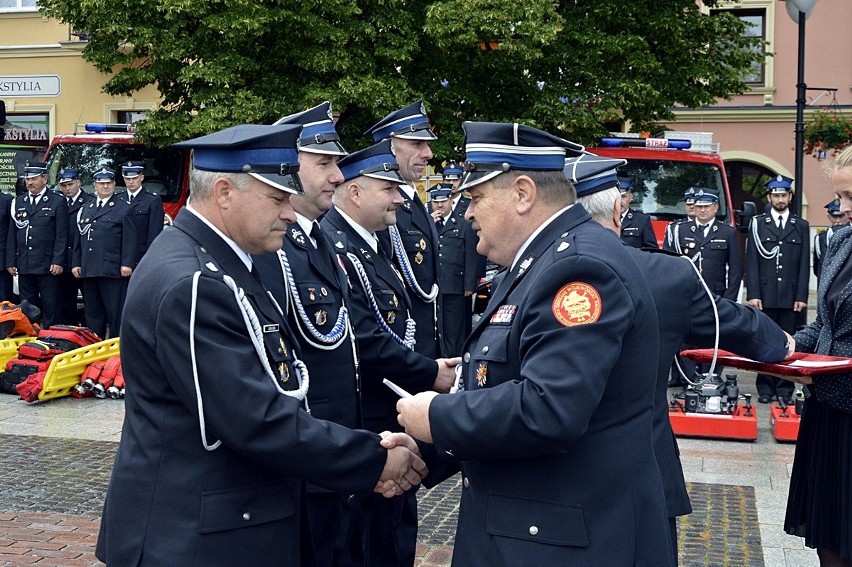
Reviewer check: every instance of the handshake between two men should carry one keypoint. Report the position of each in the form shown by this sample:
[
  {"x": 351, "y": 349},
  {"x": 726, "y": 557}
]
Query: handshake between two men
[{"x": 404, "y": 468}]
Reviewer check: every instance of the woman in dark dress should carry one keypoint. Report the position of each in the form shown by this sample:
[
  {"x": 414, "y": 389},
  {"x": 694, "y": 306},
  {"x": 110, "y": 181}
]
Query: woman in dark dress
[{"x": 819, "y": 507}]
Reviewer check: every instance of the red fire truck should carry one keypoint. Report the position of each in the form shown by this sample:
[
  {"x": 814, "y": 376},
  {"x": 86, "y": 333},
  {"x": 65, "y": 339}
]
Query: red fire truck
[
  {"x": 109, "y": 145},
  {"x": 663, "y": 168}
]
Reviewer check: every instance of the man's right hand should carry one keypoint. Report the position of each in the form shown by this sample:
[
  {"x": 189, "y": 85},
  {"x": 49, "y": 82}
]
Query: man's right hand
[
  {"x": 756, "y": 303},
  {"x": 12, "y": 270},
  {"x": 446, "y": 377},
  {"x": 403, "y": 471}
]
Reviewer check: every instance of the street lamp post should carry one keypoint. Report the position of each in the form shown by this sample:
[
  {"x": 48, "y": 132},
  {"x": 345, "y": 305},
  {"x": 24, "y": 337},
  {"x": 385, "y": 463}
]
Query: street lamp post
[{"x": 799, "y": 11}]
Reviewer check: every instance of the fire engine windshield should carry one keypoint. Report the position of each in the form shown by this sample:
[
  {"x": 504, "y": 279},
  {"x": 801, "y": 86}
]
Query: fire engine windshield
[
  {"x": 658, "y": 185},
  {"x": 163, "y": 167}
]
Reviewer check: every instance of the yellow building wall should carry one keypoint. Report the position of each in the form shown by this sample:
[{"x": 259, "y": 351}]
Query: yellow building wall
[{"x": 34, "y": 45}]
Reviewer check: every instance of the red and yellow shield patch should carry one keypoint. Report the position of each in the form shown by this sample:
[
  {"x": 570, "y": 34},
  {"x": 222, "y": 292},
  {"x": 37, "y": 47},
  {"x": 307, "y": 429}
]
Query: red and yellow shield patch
[{"x": 577, "y": 303}]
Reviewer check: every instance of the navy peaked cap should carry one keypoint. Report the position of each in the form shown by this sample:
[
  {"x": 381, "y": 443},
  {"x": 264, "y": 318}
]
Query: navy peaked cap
[
  {"x": 376, "y": 161},
  {"x": 132, "y": 169},
  {"x": 104, "y": 174},
  {"x": 493, "y": 148},
  {"x": 591, "y": 173},
  {"x": 834, "y": 208},
  {"x": 318, "y": 135},
  {"x": 442, "y": 193},
  {"x": 35, "y": 168},
  {"x": 779, "y": 184},
  {"x": 67, "y": 174},
  {"x": 266, "y": 152},
  {"x": 409, "y": 123},
  {"x": 706, "y": 195},
  {"x": 452, "y": 171}
]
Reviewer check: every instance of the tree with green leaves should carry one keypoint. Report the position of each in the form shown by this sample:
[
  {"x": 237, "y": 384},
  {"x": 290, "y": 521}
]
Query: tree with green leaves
[{"x": 566, "y": 66}]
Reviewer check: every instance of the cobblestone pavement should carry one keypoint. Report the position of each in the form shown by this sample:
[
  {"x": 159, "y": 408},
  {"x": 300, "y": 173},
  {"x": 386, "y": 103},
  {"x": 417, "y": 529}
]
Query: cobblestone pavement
[{"x": 57, "y": 458}]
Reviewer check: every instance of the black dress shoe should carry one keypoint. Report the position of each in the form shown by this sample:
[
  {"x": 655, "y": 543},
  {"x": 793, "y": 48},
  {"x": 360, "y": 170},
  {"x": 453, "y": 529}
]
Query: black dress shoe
[{"x": 764, "y": 399}]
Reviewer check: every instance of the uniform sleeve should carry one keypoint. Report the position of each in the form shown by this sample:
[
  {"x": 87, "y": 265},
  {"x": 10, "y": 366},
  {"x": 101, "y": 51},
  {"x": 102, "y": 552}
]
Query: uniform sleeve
[
  {"x": 649, "y": 239},
  {"x": 474, "y": 262},
  {"x": 60, "y": 245},
  {"x": 735, "y": 267},
  {"x": 12, "y": 239},
  {"x": 129, "y": 250},
  {"x": 563, "y": 373},
  {"x": 752, "y": 263},
  {"x": 804, "y": 277},
  {"x": 381, "y": 355},
  {"x": 743, "y": 329},
  {"x": 241, "y": 405},
  {"x": 155, "y": 220}
]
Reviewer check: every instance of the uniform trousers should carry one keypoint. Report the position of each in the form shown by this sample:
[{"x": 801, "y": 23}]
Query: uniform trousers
[
  {"x": 69, "y": 289},
  {"x": 458, "y": 318},
  {"x": 103, "y": 301},
  {"x": 392, "y": 541},
  {"x": 41, "y": 290}
]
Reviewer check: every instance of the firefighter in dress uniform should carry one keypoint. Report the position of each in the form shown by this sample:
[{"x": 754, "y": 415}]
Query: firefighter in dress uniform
[
  {"x": 37, "y": 242},
  {"x": 636, "y": 228},
  {"x": 337, "y": 333},
  {"x": 556, "y": 407},
  {"x": 686, "y": 314},
  {"x": 461, "y": 268},
  {"x": 413, "y": 241},
  {"x": 71, "y": 287},
  {"x": 837, "y": 220},
  {"x": 714, "y": 248},
  {"x": 218, "y": 437},
  {"x": 777, "y": 272},
  {"x": 104, "y": 255},
  {"x": 146, "y": 209}
]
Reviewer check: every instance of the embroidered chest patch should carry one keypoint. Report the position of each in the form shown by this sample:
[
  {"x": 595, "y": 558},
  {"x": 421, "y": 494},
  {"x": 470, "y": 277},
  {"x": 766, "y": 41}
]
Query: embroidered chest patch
[{"x": 577, "y": 303}]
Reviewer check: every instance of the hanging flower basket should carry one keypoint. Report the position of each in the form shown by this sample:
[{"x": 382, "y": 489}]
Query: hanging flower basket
[{"x": 828, "y": 131}]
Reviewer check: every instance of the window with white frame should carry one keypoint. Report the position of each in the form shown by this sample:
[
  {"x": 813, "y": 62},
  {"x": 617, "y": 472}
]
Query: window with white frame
[{"x": 18, "y": 5}]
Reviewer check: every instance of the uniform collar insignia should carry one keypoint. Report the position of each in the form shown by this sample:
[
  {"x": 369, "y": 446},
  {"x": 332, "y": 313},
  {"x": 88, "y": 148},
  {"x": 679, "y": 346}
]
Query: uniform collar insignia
[
  {"x": 406, "y": 205},
  {"x": 525, "y": 264},
  {"x": 365, "y": 253},
  {"x": 298, "y": 236}
]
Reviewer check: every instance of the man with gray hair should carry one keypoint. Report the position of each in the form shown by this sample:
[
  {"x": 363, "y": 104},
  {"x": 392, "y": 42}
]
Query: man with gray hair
[
  {"x": 216, "y": 440},
  {"x": 685, "y": 316}
]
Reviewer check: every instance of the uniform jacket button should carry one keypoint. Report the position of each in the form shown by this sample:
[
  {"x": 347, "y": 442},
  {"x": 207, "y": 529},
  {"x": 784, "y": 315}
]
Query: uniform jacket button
[
  {"x": 467, "y": 357},
  {"x": 485, "y": 349},
  {"x": 466, "y": 482},
  {"x": 533, "y": 530},
  {"x": 246, "y": 516}
]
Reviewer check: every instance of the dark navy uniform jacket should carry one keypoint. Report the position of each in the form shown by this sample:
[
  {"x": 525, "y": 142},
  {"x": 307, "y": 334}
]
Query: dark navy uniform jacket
[
  {"x": 778, "y": 284},
  {"x": 637, "y": 231},
  {"x": 38, "y": 233},
  {"x": 417, "y": 231},
  {"x": 174, "y": 501},
  {"x": 553, "y": 430},
  {"x": 686, "y": 317},
  {"x": 820, "y": 247},
  {"x": 461, "y": 265},
  {"x": 5, "y": 216},
  {"x": 146, "y": 214},
  {"x": 105, "y": 239},
  {"x": 717, "y": 255},
  {"x": 323, "y": 288},
  {"x": 82, "y": 199},
  {"x": 411, "y": 371}
]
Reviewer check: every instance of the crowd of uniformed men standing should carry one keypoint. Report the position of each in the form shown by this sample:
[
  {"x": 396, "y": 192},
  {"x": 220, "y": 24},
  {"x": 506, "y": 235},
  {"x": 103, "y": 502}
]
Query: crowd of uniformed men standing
[
  {"x": 554, "y": 397},
  {"x": 62, "y": 243}
]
